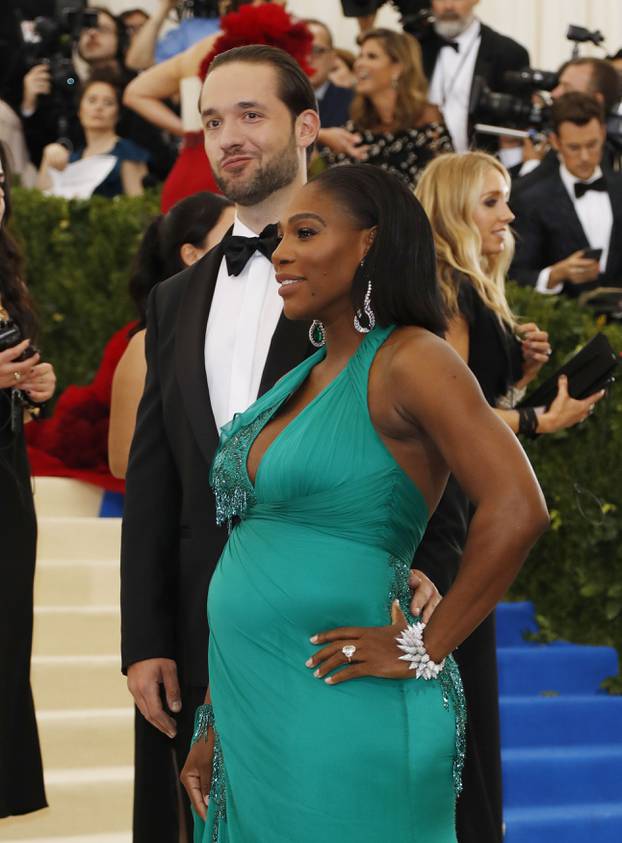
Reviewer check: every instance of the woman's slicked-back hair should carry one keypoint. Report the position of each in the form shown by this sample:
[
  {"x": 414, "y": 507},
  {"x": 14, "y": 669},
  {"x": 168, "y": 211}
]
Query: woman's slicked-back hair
[
  {"x": 401, "y": 262},
  {"x": 189, "y": 221}
]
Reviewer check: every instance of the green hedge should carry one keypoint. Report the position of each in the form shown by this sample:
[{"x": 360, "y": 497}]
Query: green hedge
[{"x": 78, "y": 259}]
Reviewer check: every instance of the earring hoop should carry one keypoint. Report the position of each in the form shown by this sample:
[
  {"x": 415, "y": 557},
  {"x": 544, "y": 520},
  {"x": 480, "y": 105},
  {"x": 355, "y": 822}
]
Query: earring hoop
[
  {"x": 367, "y": 313},
  {"x": 317, "y": 334}
]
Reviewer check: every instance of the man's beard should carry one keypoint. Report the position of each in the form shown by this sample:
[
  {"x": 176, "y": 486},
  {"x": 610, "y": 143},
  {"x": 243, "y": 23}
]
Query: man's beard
[
  {"x": 280, "y": 171},
  {"x": 452, "y": 28}
]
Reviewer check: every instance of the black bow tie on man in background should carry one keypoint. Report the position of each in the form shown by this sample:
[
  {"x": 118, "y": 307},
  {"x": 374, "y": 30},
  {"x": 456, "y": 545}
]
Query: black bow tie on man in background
[
  {"x": 239, "y": 250},
  {"x": 445, "y": 42},
  {"x": 582, "y": 187}
]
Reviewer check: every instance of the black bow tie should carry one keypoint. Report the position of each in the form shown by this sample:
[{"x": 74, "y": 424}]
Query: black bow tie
[
  {"x": 238, "y": 250},
  {"x": 445, "y": 42},
  {"x": 582, "y": 187}
]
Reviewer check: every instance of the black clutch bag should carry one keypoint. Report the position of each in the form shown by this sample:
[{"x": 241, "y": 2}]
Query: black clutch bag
[{"x": 592, "y": 368}]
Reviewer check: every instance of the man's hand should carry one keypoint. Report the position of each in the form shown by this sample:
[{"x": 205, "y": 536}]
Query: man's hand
[
  {"x": 36, "y": 82},
  {"x": 425, "y": 595},
  {"x": 196, "y": 775},
  {"x": 576, "y": 269},
  {"x": 144, "y": 679},
  {"x": 340, "y": 140}
]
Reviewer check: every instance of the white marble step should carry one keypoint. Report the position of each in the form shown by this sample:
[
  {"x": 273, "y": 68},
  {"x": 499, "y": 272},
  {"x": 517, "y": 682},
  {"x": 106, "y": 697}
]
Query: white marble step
[
  {"x": 83, "y": 800},
  {"x": 85, "y": 681},
  {"x": 76, "y": 630},
  {"x": 60, "y": 582},
  {"x": 70, "y": 539},
  {"x": 62, "y": 496},
  {"x": 86, "y": 737}
]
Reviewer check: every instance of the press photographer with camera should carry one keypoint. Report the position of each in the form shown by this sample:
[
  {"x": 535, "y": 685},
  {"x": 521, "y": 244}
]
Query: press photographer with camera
[
  {"x": 25, "y": 382},
  {"x": 71, "y": 47},
  {"x": 569, "y": 217},
  {"x": 457, "y": 48}
]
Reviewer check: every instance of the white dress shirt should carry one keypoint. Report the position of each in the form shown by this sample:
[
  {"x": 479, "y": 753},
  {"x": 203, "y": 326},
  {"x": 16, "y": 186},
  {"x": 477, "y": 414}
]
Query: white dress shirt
[
  {"x": 450, "y": 87},
  {"x": 243, "y": 317},
  {"x": 596, "y": 218}
]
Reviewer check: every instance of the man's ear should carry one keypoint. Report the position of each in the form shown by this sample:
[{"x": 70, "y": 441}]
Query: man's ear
[
  {"x": 554, "y": 139},
  {"x": 307, "y": 128}
]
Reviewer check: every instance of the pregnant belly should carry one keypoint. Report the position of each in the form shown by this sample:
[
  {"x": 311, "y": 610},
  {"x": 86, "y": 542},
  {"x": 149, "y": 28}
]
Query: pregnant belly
[{"x": 296, "y": 581}]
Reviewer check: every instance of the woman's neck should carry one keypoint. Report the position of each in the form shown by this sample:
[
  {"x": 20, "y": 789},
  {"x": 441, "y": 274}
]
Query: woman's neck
[
  {"x": 342, "y": 341},
  {"x": 384, "y": 103},
  {"x": 99, "y": 140}
]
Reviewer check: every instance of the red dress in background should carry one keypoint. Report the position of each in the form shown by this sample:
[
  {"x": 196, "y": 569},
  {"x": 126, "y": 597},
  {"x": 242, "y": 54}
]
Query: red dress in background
[
  {"x": 74, "y": 441},
  {"x": 191, "y": 173}
]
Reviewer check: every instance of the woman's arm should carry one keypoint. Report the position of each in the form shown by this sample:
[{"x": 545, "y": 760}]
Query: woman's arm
[
  {"x": 140, "y": 54},
  {"x": 132, "y": 175},
  {"x": 127, "y": 388},
  {"x": 146, "y": 93},
  {"x": 442, "y": 399},
  {"x": 196, "y": 775}
]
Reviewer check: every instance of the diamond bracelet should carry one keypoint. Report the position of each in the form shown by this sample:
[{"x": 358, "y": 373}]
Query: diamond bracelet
[
  {"x": 203, "y": 722},
  {"x": 410, "y": 641}
]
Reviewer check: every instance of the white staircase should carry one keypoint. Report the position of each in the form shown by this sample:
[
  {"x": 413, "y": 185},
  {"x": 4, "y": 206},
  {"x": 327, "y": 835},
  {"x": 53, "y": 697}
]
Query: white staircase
[{"x": 84, "y": 709}]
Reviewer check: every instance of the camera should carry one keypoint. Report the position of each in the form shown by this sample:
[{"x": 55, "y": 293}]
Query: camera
[
  {"x": 10, "y": 336},
  {"x": 197, "y": 9},
  {"x": 507, "y": 110},
  {"x": 50, "y": 41}
]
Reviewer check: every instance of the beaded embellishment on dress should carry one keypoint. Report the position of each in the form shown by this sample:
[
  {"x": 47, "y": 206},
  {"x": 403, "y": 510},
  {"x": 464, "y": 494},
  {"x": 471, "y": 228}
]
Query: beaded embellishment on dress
[
  {"x": 449, "y": 678},
  {"x": 232, "y": 488}
]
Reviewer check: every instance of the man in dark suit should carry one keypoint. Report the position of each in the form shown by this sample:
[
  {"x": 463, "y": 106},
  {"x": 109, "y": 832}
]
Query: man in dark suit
[
  {"x": 333, "y": 101},
  {"x": 457, "y": 49},
  {"x": 571, "y": 209}
]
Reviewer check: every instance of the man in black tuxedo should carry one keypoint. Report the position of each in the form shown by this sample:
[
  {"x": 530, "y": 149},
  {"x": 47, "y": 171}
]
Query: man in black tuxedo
[
  {"x": 333, "y": 101},
  {"x": 456, "y": 49},
  {"x": 571, "y": 209}
]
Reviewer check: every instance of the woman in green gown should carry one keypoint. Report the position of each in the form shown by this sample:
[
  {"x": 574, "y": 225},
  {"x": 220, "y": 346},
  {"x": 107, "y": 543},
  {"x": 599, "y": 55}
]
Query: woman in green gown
[{"x": 315, "y": 728}]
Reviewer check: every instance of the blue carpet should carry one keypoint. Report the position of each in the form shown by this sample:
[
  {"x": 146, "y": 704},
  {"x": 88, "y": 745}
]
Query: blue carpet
[{"x": 561, "y": 737}]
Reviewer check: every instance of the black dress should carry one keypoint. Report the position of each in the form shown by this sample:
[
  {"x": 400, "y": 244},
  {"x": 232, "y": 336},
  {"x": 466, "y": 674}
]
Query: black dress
[
  {"x": 21, "y": 775},
  {"x": 496, "y": 361},
  {"x": 404, "y": 153}
]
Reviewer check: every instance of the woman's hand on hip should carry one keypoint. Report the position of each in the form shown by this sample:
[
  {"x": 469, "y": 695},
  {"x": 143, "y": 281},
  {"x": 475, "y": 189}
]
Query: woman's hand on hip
[
  {"x": 196, "y": 775},
  {"x": 375, "y": 652}
]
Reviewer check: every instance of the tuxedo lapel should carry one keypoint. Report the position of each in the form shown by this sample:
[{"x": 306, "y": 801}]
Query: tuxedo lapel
[
  {"x": 485, "y": 54},
  {"x": 289, "y": 347},
  {"x": 190, "y": 350},
  {"x": 564, "y": 209}
]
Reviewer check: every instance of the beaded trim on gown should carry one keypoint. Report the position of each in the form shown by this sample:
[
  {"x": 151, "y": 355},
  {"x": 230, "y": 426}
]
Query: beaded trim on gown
[{"x": 325, "y": 538}]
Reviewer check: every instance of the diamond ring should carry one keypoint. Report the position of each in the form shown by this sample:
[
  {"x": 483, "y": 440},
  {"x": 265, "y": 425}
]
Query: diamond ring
[{"x": 349, "y": 650}]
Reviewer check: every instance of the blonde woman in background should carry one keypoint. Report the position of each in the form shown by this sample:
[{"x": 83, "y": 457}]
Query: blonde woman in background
[
  {"x": 392, "y": 125},
  {"x": 466, "y": 199}
]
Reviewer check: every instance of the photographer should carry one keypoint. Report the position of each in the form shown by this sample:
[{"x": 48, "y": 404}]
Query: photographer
[
  {"x": 569, "y": 218},
  {"x": 586, "y": 75},
  {"x": 23, "y": 382},
  {"x": 456, "y": 49},
  {"x": 48, "y": 106}
]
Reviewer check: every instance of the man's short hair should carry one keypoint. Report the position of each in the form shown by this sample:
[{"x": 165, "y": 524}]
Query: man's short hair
[
  {"x": 294, "y": 87},
  {"x": 605, "y": 79},
  {"x": 578, "y": 108},
  {"x": 325, "y": 27}
]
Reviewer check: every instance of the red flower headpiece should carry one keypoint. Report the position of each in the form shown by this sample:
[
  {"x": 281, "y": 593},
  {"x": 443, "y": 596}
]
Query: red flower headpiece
[{"x": 266, "y": 24}]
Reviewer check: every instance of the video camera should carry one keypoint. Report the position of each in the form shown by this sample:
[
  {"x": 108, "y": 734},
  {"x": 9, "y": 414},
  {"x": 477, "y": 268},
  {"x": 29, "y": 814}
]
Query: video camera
[
  {"x": 197, "y": 9},
  {"x": 51, "y": 40}
]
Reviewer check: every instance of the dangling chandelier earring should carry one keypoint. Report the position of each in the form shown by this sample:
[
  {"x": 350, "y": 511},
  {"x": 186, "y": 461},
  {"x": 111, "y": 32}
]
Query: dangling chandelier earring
[
  {"x": 317, "y": 334},
  {"x": 367, "y": 314}
]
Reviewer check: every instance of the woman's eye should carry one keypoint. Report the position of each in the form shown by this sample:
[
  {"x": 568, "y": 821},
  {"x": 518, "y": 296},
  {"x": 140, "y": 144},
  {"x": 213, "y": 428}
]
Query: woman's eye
[
  {"x": 305, "y": 233},
  {"x": 490, "y": 203}
]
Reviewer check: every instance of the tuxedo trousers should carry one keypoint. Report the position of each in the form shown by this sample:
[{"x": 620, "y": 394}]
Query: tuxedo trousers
[{"x": 161, "y": 807}]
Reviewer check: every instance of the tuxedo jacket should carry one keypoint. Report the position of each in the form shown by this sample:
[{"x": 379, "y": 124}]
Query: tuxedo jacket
[
  {"x": 170, "y": 542},
  {"x": 548, "y": 230},
  {"x": 335, "y": 106},
  {"x": 497, "y": 53}
]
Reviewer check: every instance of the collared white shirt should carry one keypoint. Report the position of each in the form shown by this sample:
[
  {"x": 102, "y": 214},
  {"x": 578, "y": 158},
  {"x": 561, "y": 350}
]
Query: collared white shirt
[
  {"x": 450, "y": 87},
  {"x": 596, "y": 217},
  {"x": 243, "y": 317},
  {"x": 320, "y": 91}
]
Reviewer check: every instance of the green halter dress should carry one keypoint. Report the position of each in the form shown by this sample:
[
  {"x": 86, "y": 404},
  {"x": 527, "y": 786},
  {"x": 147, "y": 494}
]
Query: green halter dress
[{"x": 325, "y": 539}]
